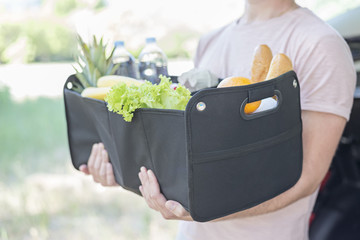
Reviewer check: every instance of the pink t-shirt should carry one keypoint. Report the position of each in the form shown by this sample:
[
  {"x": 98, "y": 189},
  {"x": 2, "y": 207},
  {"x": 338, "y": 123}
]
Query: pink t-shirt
[{"x": 323, "y": 63}]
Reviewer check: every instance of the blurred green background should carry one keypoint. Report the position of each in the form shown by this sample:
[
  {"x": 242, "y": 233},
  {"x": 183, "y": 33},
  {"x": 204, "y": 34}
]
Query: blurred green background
[{"x": 41, "y": 195}]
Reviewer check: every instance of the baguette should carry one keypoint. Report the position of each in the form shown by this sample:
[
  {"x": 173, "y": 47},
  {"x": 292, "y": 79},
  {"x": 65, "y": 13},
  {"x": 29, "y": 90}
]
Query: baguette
[
  {"x": 261, "y": 63},
  {"x": 280, "y": 64}
]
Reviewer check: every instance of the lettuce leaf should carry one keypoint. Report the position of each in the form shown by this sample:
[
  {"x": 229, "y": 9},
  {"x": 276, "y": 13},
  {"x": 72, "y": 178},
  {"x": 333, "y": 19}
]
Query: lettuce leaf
[{"x": 124, "y": 99}]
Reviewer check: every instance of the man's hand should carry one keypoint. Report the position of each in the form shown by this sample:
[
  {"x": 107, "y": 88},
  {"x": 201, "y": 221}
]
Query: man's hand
[
  {"x": 150, "y": 190},
  {"x": 99, "y": 166}
]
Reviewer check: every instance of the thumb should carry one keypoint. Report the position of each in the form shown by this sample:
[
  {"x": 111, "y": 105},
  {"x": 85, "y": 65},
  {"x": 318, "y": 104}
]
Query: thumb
[
  {"x": 176, "y": 208},
  {"x": 83, "y": 168}
]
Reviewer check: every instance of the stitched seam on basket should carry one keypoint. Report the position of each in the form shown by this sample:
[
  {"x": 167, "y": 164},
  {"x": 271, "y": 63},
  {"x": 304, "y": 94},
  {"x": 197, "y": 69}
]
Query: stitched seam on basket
[
  {"x": 113, "y": 142},
  {"x": 161, "y": 111},
  {"x": 249, "y": 148},
  {"x": 147, "y": 143},
  {"x": 190, "y": 163},
  {"x": 93, "y": 100}
]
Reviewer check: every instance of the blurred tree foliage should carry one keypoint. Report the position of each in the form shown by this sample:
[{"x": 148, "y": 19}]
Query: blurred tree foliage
[
  {"x": 9, "y": 33},
  {"x": 49, "y": 41},
  {"x": 46, "y": 40},
  {"x": 46, "y": 37},
  {"x": 64, "y": 7}
]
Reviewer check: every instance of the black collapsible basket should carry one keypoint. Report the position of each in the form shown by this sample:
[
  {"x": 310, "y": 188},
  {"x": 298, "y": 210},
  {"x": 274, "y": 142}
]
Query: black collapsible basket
[{"x": 212, "y": 158}]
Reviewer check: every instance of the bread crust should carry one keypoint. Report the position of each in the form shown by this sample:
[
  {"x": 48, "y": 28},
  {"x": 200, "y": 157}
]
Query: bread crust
[
  {"x": 280, "y": 64},
  {"x": 261, "y": 63}
]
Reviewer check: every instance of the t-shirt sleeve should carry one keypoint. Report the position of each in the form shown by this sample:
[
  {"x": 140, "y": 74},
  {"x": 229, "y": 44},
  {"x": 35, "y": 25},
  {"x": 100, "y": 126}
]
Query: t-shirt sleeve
[
  {"x": 204, "y": 43},
  {"x": 198, "y": 54},
  {"x": 327, "y": 76},
  {"x": 201, "y": 48}
]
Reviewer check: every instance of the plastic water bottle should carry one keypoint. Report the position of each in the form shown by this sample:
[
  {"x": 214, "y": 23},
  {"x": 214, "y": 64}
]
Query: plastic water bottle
[
  {"x": 152, "y": 62},
  {"x": 128, "y": 66}
]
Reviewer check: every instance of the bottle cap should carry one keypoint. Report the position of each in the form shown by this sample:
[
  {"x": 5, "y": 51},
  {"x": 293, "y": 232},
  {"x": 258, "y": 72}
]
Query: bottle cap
[
  {"x": 119, "y": 43},
  {"x": 150, "y": 40}
]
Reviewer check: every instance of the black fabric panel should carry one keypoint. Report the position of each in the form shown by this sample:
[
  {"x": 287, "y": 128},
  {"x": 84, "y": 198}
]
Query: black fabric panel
[
  {"x": 236, "y": 183},
  {"x": 98, "y": 114},
  {"x": 165, "y": 133},
  {"x": 80, "y": 127},
  {"x": 235, "y": 163},
  {"x": 131, "y": 147}
]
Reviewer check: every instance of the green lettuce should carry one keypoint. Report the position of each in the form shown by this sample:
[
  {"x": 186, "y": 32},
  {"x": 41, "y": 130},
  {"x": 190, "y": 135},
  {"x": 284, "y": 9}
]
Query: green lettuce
[{"x": 124, "y": 99}]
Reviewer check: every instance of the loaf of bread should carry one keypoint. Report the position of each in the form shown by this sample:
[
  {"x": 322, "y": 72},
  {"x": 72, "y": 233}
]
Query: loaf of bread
[
  {"x": 280, "y": 64},
  {"x": 261, "y": 63}
]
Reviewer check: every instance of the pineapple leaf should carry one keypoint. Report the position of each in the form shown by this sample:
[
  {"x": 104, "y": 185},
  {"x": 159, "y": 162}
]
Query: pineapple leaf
[
  {"x": 112, "y": 69},
  {"x": 95, "y": 41},
  {"x": 82, "y": 79},
  {"x": 92, "y": 61}
]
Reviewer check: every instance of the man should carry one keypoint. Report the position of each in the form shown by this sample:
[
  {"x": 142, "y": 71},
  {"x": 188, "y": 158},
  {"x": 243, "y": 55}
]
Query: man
[{"x": 327, "y": 77}]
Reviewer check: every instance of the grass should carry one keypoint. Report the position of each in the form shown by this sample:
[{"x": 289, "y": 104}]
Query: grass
[
  {"x": 43, "y": 197},
  {"x": 30, "y": 132}
]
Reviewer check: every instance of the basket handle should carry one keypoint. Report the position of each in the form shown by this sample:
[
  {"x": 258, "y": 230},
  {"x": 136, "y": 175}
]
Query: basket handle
[{"x": 259, "y": 94}]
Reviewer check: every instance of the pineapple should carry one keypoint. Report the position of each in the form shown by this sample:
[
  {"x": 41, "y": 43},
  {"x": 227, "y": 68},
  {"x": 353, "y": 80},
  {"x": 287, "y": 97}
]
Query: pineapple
[{"x": 92, "y": 63}]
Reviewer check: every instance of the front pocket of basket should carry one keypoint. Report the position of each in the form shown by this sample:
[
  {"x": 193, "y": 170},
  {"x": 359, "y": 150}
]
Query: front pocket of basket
[
  {"x": 165, "y": 135},
  {"x": 248, "y": 148},
  {"x": 232, "y": 181}
]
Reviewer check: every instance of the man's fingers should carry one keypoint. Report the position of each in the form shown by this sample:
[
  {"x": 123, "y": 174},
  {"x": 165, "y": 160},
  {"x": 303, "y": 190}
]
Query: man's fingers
[
  {"x": 144, "y": 180},
  {"x": 98, "y": 158},
  {"x": 141, "y": 190},
  {"x": 83, "y": 168},
  {"x": 156, "y": 196},
  {"x": 143, "y": 177},
  {"x": 110, "y": 177},
  {"x": 105, "y": 156},
  {"x": 95, "y": 170},
  {"x": 153, "y": 183},
  {"x": 92, "y": 157},
  {"x": 176, "y": 208},
  {"x": 102, "y": 172}
]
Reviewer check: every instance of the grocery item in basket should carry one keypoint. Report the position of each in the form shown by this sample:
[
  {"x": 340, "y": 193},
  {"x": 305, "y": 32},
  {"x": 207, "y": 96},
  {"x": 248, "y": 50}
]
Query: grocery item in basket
[
  {"x": 124, "y": 99},
  {"x": 280, "y": 64},
  {"x": 111, "y": 80},
  {"x": 95, "y": 92},
  {"x": 92, "y": 62},
  {"x": 240, "y": 81},
  {"x": 197, "y": 79},
  {"x": 261, "y": 63},
  {"x": 152, "y": 62},
  {"x": 127, "y": 64}
]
